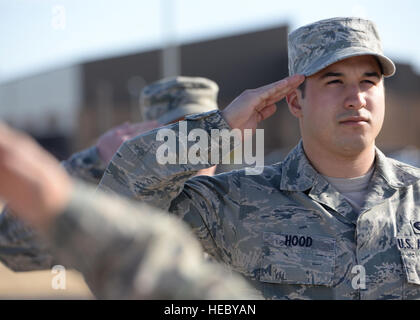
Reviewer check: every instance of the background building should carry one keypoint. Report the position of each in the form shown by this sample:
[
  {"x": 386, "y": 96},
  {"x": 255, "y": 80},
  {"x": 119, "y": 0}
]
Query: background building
[{"x": 68, "y": 108}]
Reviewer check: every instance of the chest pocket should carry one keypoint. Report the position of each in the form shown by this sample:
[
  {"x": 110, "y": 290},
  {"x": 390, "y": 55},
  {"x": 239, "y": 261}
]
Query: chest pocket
[
  {"x": 410, "y": 254},
  {"x": 298, "y": 259}
]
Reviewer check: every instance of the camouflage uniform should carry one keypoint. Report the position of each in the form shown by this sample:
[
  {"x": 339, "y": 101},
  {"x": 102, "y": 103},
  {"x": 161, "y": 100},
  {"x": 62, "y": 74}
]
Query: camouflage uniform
[
  {"x": 164, "y": 101},
  {"x": 86, "y": 165},
  {"x": 136, "y": 252},
  {"x": 288, "y": 230}
]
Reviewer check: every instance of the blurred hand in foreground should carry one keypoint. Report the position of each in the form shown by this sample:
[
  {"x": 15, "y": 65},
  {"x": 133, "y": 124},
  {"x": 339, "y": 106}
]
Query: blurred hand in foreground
[{"x": 32, "y": 181}]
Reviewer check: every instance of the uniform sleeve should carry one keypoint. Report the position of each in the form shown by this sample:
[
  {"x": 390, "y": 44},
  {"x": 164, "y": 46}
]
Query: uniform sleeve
[
  {"x": 211, "y": 207},
  {"x": 85, "y": 165},
  {"x": 21, "y": 248},
  {"x": 138, "y": 172},
  {"x": 208, "y": 204},
  {"x": 128, "y": 250}
]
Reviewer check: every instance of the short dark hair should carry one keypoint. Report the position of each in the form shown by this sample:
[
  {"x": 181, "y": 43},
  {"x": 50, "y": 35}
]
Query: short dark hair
[
  {"x": 301, "y": 88},
  {"x": 380, "y": 65}
]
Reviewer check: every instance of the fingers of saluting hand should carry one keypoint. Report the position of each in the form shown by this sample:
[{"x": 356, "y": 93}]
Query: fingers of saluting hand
[
  {"x": 276, "y": 91},
  {"x": 8, "y": 136},
  {"x": 266, "y": 112},
  {"x": 4, "y": 131}
]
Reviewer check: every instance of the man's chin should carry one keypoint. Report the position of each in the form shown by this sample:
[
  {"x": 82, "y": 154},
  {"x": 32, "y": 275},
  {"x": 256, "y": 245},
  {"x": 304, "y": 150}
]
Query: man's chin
[{"x": 354, "y": 146}]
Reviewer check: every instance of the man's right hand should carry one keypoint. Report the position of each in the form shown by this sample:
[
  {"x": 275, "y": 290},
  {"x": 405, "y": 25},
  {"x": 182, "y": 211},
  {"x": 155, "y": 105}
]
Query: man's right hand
[{"x": 254, "y": 106}]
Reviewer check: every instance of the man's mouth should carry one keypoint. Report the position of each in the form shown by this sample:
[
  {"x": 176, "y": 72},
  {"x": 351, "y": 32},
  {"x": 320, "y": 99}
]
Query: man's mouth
[{"x": 355, "y": 121}]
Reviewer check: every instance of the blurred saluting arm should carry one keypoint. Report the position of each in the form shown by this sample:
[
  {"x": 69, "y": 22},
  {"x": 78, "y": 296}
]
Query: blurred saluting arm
[
  {"x": 210, "y": 205},
  {"x": 124, "y": 250},
  {"x": 21, "y": 249}
]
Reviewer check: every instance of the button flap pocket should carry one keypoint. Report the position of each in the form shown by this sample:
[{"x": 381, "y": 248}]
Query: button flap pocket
[{"x": 298, "y": 259}]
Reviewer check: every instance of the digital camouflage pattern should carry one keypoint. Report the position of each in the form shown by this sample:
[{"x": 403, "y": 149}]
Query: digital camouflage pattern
[
  {"x": 124, "y": 250},
  {"x": 170, "y": 99},
  {"x": 316, "y": 46},
  {"x": 86, "y": 165},
  {"x": 290, "y": 232},
  {"x": 21, "y": 249},
  {"x": 132, "y": 251}
]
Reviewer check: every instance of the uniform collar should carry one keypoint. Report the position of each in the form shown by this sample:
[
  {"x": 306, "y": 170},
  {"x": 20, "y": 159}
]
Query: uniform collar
[
  {"x": 389, "y": 176},
  {"x": 297, "y": 174},
  {"x": 395, "y": 173}
]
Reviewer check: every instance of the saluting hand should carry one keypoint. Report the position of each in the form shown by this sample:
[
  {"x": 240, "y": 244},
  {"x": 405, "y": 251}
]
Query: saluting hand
[{"x": 256, "y": 105}]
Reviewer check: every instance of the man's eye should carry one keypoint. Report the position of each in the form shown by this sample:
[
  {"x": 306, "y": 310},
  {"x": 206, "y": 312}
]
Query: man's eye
[
  {"x": 368, "y": 81},
  {"x": 334, "y": 81}
]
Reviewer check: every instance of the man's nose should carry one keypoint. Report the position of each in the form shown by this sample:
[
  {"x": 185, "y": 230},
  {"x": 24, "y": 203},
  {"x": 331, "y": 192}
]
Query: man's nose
[{"x": 355, "y": 98}]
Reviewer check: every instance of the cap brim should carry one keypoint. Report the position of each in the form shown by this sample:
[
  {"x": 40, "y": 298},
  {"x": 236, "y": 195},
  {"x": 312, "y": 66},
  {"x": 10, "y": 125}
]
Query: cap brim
[
  {"x": 184, "y": 111},
  {"x": 388, "y": 67}
]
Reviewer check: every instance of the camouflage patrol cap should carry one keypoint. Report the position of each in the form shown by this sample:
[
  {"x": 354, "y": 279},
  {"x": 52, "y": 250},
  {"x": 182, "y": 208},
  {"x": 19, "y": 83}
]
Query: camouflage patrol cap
[
  {"x": 174, "y": 98},
  {"x": 317, "y": 45}
]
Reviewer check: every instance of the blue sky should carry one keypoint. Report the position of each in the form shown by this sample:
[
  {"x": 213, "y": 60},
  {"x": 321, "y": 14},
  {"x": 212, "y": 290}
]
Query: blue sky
[{"x": 38, "y": 35}]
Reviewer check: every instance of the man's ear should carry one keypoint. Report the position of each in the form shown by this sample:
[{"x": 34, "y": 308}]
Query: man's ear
[{"x": 293, "y": 102}]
